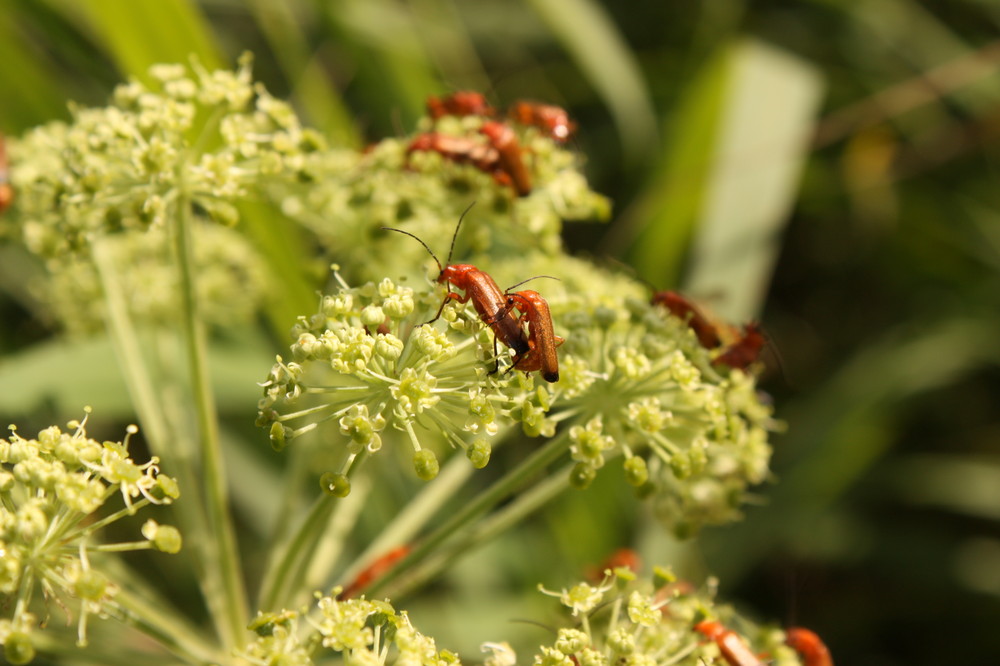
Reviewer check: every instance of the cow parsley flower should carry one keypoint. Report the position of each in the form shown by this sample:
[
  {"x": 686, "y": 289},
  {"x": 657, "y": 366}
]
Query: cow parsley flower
[
  {"x": 52, "y": 487},
  {"x": 650, "y": 622},
  {"x": 359, "y": 630}
]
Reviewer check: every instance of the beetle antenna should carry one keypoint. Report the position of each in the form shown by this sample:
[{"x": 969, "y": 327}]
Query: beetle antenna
[
  {"x": 440, "y": 267},
  {"x": 550, "y": 277},
  {"x": 457, "y": 227}
]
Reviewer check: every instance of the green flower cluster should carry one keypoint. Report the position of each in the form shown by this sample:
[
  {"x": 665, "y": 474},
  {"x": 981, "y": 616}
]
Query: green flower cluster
[
  {"x": 365, "y": 632},
  {"x": 188, "y": 142},
  {"x": 634, "y": 382},
  {"x": 51, "y": 488},
  {"x": 355, "y": 194},
  {"x": 633, "y": 622},
  {"x": 634, "y": 385},
  {"x": 190, "y": 134},
  {"x": 364, "y": 361}
]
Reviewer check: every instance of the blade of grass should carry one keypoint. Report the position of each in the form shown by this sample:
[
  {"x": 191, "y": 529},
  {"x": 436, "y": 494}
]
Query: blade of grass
[
  {"x": 670, "y": 207},
  {"x": 764, "y": 136},
  {"x": 589, "y": 35},
  {"x": 310, "y": 84},
  {"x": 140, "y": 34}
]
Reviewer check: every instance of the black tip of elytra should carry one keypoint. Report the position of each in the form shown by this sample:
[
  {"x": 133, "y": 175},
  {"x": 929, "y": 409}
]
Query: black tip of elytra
[{"x": 551, "y": 376}]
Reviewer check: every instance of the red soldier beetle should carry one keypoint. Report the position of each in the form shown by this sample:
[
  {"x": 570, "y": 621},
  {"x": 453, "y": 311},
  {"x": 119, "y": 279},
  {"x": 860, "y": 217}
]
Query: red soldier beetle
[
  {"x": 6, "y": 191},
  {"x": 677, "y": 305},
  {"x": 463, "y": 150},
  {"x": 504, "y": 141},
  {"x": 542, "y": 340},
  {"x": 623, "y": 558},
  {"x": 459, "y": 103},
  {"x": 380, "y": 567},
  {"x": 809, "y": 646},
  {"x": 551, "y": 119},
  {"x": 745, "y": 351},
  {"x": 487, "y": 298},
  {"x": 731, "y": 646}
]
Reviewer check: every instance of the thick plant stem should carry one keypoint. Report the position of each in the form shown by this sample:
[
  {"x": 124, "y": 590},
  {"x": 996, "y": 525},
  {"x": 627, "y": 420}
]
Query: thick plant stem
[
  {"x": 500, "y": 490},
  {"x": 227, "y": 568}
]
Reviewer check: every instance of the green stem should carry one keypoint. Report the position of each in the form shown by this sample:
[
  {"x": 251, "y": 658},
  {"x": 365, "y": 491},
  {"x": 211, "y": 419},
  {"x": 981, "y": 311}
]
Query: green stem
[
  {"x": 500, "y": 490},
  {"x": 166, "y": 440},
  {"x": 276, "y": 582},
  {"x": 284, "y": 577},
  {"x": 227, "y": 568},
  {"x": 417, "y": 513},
  {"x": 510, "y": 515}
]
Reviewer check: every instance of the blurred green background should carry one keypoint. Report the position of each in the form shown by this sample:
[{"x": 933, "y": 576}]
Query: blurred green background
[{"x": 827, "y": 167}]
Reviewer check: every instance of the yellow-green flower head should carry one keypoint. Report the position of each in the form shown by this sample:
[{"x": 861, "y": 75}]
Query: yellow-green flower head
[
  {"x": 351, "y": 195},
  {"x": 634, "y": 386},
  {"x": 366, "y": 362},
  {"x": 189, "y": 135},
  {"x": 51, "y": 485},
  {"x": 651, "y": 622},
  {"x": 359, "y": 630},
  {"x": 231, "y": 280}
]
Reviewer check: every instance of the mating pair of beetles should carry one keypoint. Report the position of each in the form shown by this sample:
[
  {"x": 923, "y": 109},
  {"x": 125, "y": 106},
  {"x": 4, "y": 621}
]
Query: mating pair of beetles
[{"x": 534, "y": 349}]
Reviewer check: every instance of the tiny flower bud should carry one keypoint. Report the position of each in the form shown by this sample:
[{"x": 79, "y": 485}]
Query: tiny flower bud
[
  {"x": 479, "y": 453},
  {"x": 17, "y": 648},
  {"x": 166, "y": 488},
  {"x": 426, "y": 464},
  {"x": 636, "y": 472},
  {"x": 335, "y": 484},
  {"x": 278, "y": 436},
  {"x": 372, "y": 316},
  {"x": 582, "y": 475}
]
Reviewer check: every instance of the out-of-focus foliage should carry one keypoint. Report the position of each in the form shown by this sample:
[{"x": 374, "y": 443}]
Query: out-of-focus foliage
[{"x": 882, "y": 308}]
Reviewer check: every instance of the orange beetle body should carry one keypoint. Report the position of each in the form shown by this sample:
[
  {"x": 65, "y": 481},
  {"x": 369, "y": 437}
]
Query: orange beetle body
[
  {"x": 6, "y": 191},
  {"x": 459, "y": 103},
  {"x": 504, "y": 141},
  {"x": 809, "y": 646},
  {"x": 551, "y": 119},
  {"x": 489, "y": 302},
  {"x": 677, "y": 305},
  {"x": 374, "y": 571},
  {"x": 745, "y": 351},
  {"x": 542, "y": 340},
  {"x": 479, "y": 287},
  {"x": 731, "y": 646},
  {"x": 463, "y": 150}
]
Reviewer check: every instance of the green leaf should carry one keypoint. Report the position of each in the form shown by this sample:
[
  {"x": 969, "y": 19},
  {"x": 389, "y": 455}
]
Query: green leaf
[
  {"x": 68, "y": 374},
  {"x": 731, "y": 176}
]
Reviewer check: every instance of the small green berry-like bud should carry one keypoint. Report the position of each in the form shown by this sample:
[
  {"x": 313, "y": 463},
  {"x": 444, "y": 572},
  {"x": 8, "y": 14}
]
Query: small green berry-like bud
[
  {"x": 663, "y": 576},
  {"x": 17, "y": 648},
  {"x": 167, "y": 539},
  {"x": 681, "y": 465},
  {"x": 335, "y": 484},
  {"x": 426, "y": 464},
  {"x": 636, "y": 472},
  {"x": 166, "y": 488},
  {"x": 582, "y": 476},
  {"x": 278, "y": 441},
  {"x": 479, "y": 453}
]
